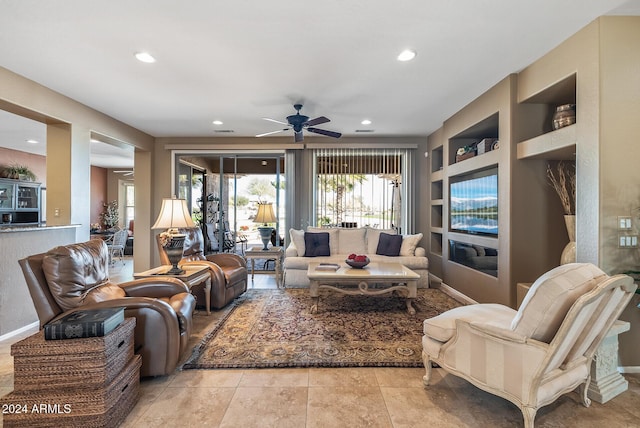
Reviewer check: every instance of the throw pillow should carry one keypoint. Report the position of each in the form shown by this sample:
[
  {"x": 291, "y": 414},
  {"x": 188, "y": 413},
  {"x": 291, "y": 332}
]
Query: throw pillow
[
  {"x": 373, "y": 237},
  {"x": 316, "y": 244},
  {"x": 297, "y": 237},
  {"x": 389, "y": 245},
  {"x": 333, "y": 237},
  {"x": 409, "y": 244}
]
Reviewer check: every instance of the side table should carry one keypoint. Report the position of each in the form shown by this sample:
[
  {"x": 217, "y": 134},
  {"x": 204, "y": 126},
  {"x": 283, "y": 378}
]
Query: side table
[
  {"x": 193, "y": 275},
  {"x": 273, "y": 253}
]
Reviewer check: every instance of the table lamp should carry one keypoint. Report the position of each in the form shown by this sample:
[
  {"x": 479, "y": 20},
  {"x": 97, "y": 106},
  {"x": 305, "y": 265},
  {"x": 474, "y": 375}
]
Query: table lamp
[
  {"x": 174, "y": 214},
  {"x": 265, "y": 215}
]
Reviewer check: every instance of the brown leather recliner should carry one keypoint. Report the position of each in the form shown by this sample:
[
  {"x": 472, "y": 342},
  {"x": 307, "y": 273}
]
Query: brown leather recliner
[
  {"x": 228, "y": 271},
  {"x": 76, "y": 276}
]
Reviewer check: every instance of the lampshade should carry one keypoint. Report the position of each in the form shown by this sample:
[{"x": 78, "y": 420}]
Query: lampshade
[
  {"x": 173, "y": 214},
  {"x": 265, "y": 213}
]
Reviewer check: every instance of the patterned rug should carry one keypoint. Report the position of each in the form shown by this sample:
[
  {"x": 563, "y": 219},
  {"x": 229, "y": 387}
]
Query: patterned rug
[{"x": 274, "y": 328}]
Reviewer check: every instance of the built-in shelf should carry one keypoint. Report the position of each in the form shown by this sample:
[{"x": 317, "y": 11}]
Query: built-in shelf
[
  {"x": 437, "y": 159},
  {"x": 436, "y": 176},
  {"x": 437, "y": 201},
  {"x": 436, "y": 242},
  {"x": 556, "y": 145},
  {"x": 475, "y": 163},
  {"x": 436, "y": 216},
  {"x": 436, "y": 190}
]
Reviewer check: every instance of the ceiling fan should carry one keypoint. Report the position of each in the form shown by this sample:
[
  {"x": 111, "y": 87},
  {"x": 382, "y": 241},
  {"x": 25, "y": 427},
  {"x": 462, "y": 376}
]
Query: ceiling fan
[
  {"x": 298, "y": 122},
  {"x": 125, "y": 172}
]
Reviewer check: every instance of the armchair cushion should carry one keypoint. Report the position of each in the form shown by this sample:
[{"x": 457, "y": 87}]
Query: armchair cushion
[
  {"x": 72, "y": 271},
  {"x": 443, "y": 327},
  {"x": 550, "y": 298}
]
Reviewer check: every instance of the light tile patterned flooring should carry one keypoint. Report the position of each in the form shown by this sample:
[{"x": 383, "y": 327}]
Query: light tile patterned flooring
[{"x": 346, "y": 397}]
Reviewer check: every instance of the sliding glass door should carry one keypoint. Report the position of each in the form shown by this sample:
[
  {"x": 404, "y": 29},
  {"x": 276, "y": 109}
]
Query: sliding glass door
[{"x": 232, "y": 187}]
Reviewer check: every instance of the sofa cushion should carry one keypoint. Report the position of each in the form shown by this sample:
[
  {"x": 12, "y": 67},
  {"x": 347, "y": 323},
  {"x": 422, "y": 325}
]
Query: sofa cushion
[
  {"x": 550, "y": 298},
  {"x": 72, "y": 271},
  {"x": 351, "y": 241},
  {"x": 389, "y": 245},
  {"x": 297, "y": 239},
  {"x": 316, "y": 244},
  {"x": 442, "y": 327},
  {"x": 333, "y": 237},
  {"x": 409, "y": 244},
  {"x": 373, "y": 236}
]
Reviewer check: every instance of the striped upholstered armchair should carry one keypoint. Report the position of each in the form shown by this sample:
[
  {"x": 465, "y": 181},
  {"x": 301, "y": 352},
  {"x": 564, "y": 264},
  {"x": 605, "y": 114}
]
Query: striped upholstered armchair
[{"x": 534, "y": 355}]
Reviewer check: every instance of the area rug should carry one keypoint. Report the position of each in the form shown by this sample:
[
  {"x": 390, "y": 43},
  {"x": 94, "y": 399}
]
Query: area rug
[{"x": 275, "y": 328}]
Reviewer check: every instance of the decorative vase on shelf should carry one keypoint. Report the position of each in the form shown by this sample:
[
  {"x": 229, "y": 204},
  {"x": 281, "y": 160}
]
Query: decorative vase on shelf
[{"x": 569, "y": 252}]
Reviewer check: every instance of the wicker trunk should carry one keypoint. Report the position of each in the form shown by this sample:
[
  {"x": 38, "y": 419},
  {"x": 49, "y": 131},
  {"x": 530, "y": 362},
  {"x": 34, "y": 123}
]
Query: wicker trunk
[{"x": 91, "y": 382}]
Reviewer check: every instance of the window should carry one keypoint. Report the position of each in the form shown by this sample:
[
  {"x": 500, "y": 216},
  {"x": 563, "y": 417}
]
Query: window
[
  {"x": 129, "y": 204},
  {"x": 362, "y": 187}
]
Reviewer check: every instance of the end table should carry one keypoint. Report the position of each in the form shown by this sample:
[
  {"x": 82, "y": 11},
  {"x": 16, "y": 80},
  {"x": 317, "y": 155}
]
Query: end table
[
  {"x": 193, "y": 275},
  {"x": 273, "y": 253}
]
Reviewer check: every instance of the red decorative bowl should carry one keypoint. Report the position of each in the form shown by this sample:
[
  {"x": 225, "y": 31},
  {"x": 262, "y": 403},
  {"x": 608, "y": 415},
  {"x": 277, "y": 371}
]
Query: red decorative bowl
[{"x": 357, "y": 265}]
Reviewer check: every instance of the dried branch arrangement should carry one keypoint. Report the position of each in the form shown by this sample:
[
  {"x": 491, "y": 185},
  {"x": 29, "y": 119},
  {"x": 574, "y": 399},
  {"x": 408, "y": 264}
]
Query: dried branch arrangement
[{"x": 563, "y": 181}]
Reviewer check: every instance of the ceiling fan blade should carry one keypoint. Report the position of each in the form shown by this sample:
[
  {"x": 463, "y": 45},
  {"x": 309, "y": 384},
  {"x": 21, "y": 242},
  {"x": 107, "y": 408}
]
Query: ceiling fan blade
[
  {"x": 272, "y": 132},
  {"x": 298, "y": 137},
  {"x": 325, "y": 132},
  {"x": 276, "y": 121},
  {"x": 317, "y": 121}
]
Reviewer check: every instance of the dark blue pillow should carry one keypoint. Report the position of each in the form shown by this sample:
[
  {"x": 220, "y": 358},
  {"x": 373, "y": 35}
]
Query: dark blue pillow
[
  {"x": 316, "y": 244},
  {"x": 389, "y": 245}
]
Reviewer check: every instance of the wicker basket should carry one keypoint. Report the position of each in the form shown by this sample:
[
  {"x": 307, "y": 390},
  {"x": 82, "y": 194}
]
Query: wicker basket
[
  {"x": 88, "y": 363},
  {"x": 82, "y": 408},
  {"x": 467, "y": 155}
]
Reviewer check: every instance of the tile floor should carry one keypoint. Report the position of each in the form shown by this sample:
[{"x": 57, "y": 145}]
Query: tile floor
[{"x": 346, "y": 397}]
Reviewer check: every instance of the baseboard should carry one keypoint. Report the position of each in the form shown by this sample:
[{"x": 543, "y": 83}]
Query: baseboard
[
  {"x": 629, "y": 369},
  {"x": 33, "y": 326},
  {"x": 455, "y": 294}
]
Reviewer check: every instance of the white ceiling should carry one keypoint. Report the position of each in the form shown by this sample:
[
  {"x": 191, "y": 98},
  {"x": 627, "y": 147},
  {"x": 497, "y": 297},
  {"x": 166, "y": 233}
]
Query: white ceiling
[{"x": 239, "y": 61}]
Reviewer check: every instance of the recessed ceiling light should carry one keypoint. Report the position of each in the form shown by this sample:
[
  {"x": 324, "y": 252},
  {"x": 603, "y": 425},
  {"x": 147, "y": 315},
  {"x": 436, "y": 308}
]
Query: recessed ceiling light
[
  {"x": 218, "y": 122},
  {"x": 366, "y": 122},
  {"x": 33, "y": 141},
  {"x": 407, "y": 55},
  {"x": 145, "y": 57}
]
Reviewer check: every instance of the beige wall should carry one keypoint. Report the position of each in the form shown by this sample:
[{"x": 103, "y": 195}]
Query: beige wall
[
  {"x": 98, "y": 193},
  {"x": 619, "y": 158}
]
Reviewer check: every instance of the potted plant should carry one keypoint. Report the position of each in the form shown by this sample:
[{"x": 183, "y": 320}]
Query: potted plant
[
  {"x": 19, "y": 172},
  {"x": 110, "y": 215}
]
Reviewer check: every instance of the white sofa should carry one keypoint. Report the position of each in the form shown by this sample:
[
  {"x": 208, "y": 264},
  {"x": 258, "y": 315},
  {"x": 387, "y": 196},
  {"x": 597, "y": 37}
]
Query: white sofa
[{"x": 345, "y": 241}]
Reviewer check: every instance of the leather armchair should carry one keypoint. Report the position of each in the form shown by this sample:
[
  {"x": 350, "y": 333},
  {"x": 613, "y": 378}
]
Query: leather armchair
[
  {"x": 534, "y": 355},
  {"x": 76, "y": 276},
  {"x": 229, "y": 272}
]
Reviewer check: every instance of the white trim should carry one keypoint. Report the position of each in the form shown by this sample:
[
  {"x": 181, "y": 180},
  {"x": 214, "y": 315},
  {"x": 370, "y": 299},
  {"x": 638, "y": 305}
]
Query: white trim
[
  {"x": 630, "y": 369},
  {"x": 231, "y": 148},
  {"x": 35, "y": 326}
]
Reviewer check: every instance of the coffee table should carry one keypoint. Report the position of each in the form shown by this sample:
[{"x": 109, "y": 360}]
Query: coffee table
[
  {"x": 193, "y": 275},
  {"x": 391, "y": 276}
]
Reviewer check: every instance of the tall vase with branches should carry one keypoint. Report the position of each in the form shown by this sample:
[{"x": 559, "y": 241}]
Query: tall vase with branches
[{"x": 563, "y": 180}]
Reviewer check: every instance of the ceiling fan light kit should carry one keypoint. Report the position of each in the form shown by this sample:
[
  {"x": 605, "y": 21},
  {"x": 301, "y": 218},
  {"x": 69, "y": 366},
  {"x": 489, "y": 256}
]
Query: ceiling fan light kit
[{"x": 299, "y": 122}]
